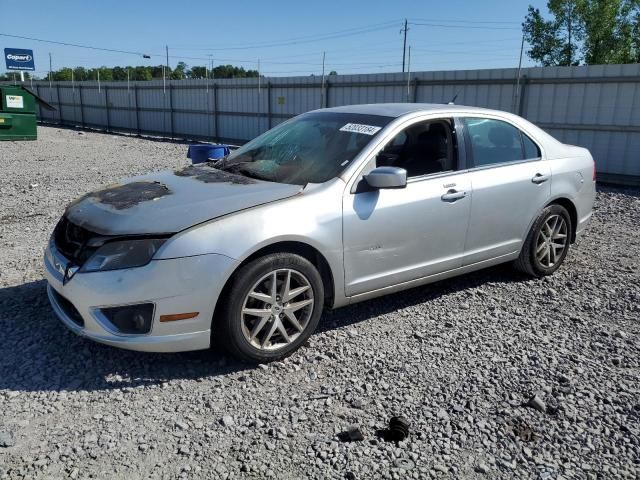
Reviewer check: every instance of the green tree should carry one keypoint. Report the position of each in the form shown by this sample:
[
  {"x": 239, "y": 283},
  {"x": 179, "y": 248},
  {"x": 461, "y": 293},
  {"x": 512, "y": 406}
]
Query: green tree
[
  {"x": 229, "y": 71},
  {"x": 611, "y": 31},
  {"x": 62, "y": 75},
  {"x": 180, "y": 72},
  {"x": 80, "y": 74},
  {"x": 157, "y": 71},
  {"x": 141, "y": 74},
  {"x": 589, "y": 31},
  {"x": 106, "y": 74},
  {"x": 118, "y": 73},
  {"x": 199, "y": 72}
]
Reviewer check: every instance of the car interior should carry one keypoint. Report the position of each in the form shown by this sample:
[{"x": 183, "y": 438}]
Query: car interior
[
  {"x": 494, "y": 141},
  {"x": 421, "y": 149}
]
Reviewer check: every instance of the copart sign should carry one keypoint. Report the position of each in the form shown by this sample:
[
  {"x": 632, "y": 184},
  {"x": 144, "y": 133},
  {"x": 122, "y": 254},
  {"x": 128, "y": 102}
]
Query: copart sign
[{"x": 19, "y": 59}]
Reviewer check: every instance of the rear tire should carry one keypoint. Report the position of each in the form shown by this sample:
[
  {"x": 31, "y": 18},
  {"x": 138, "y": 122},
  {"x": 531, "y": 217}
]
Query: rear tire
[
  {"x": 273, "y": 305},
  {"x": 547, "y": 243}
]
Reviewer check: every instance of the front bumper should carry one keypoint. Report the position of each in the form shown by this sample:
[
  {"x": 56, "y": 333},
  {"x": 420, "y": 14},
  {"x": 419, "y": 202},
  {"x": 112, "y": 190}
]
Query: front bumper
[{"x": 188, "y": 284}]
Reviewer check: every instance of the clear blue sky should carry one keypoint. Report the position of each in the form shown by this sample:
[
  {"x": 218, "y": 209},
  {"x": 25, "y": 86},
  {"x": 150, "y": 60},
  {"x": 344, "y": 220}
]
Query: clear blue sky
[{"x": 287, "y": 36}]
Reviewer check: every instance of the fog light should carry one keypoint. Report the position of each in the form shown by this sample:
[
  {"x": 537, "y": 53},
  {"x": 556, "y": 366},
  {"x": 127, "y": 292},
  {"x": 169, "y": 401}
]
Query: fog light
[{"x": 132, "y": 319}]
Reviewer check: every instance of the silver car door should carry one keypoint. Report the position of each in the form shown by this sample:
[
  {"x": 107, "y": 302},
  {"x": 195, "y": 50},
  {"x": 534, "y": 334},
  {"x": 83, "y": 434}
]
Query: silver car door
[
  {"x": 393, "y": 236},
  {"x": 509, "y": 188}
]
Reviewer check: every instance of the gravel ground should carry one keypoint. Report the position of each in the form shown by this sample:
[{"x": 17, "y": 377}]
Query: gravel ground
[{"x": 500, "y": 376}]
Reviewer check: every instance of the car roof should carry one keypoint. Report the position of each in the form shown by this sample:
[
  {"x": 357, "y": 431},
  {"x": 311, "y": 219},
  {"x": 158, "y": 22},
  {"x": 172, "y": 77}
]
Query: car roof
[{"x": 399, "y": 109}]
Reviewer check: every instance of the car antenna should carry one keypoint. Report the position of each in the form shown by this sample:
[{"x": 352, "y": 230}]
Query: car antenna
[{"x": 453, "y": 100}]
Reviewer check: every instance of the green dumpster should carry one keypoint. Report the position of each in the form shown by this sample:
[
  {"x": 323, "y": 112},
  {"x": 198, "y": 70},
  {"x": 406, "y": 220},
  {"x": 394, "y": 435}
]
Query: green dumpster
[{"x": 18, "y": 113}]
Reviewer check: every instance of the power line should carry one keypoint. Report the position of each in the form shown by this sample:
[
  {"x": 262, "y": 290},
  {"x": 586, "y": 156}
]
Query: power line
[
  {"x": 301, "y": 39},
  {"x": 441, "y": 20},
  {"x": 308, "y": 38},
  {"x": 67, "y": 44},
  {"x": 441, "y": 25},
  {"x": 377, "y": 53},
  {"x": 332, "y": 65},
  {"x": 346, "y": 54}
]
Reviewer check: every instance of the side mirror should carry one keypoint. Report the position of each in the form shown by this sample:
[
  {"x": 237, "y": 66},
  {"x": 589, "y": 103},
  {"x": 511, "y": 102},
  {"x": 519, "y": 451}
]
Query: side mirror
[{"x": 387, "y": 177}]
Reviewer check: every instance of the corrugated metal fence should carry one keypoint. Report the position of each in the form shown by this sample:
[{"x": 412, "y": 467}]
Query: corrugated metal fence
[{"x": 593, "y": 106}]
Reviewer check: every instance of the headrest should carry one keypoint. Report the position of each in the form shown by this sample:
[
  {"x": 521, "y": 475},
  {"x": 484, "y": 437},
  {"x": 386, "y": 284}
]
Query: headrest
[{"x": 500, "y": 137}]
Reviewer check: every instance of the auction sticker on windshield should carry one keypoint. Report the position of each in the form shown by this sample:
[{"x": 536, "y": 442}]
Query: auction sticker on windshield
[{"x": 359, "y": 128}]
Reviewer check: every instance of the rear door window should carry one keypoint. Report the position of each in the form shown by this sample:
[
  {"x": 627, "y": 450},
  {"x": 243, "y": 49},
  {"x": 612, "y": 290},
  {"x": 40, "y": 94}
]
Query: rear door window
[
  {"x": 494, "y": 142},
  {"x": 531, "y": 150}
]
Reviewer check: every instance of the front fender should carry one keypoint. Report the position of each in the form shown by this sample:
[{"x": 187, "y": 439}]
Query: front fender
[{"x": 313, "y": 218}]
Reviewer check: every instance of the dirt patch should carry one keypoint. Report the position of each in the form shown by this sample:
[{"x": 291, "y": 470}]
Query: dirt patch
[{"x": 130, "y": 194}]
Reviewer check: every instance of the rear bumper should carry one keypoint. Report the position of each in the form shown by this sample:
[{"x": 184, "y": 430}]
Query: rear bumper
[
  {"x": 583, "y": 223},
  {"x": 190, "y": 284},
  {"x": 584, "y": 206}
]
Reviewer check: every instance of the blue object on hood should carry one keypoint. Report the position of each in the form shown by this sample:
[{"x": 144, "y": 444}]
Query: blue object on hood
[{"x": 201, "y": 153}]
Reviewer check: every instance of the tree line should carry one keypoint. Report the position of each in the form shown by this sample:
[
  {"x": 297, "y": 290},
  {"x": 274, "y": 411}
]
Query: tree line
[
  {"x": 589, "y": 32},
  {"x": 141, "y": 73}
]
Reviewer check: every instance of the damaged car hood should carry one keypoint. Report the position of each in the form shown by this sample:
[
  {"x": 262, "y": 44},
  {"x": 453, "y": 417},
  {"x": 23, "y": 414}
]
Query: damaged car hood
[{"x": 167, "y": 202}]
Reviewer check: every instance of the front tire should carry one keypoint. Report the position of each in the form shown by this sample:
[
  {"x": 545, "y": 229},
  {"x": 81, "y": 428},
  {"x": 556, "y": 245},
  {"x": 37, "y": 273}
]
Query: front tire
[
  {"x": 547, "y": 243},
  {"x": 273, "y": 305}
]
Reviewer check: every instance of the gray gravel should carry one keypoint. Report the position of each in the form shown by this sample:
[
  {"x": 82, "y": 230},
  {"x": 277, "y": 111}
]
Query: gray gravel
[{"x": 500, "y": 376}]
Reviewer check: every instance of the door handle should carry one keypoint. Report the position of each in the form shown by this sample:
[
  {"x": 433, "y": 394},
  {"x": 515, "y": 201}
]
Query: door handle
[
  {"x": 453, "y": 195},
  {"x": 539, "y": 178}
]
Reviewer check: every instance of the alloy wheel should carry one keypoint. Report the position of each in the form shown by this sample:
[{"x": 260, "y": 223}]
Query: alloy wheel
[
  {"x": 277, "y": 309},
  {"x": 552, "y": 241}
]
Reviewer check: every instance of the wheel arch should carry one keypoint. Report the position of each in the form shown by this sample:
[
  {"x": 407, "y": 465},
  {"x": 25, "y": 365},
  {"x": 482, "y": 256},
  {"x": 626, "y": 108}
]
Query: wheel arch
[
  {"x": 297, "y": 247},
  {"x": 573, "y": 213}
]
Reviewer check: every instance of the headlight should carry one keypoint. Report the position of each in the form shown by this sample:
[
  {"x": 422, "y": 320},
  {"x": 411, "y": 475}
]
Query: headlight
[{"x": 123, "y": 254}]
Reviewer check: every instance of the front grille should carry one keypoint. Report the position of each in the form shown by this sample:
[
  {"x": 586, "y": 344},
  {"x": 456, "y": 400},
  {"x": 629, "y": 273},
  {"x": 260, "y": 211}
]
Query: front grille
[
  {"x": 68, "y": 308},
  {"x": 71, "y": 240}
]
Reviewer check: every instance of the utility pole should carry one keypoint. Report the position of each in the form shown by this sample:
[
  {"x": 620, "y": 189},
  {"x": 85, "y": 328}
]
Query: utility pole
[
  {"x": 569, "y": 5},
  {"x": 322, "y": 105},
  {"x": 404, "y": 48},
  {"x": 409, "y": 76},
  {"x": 516, "y": 94},
  {"x": 164, "y": 83},
  {"x": 258, "y": 76},
  {"x": 50, "y": 69}
]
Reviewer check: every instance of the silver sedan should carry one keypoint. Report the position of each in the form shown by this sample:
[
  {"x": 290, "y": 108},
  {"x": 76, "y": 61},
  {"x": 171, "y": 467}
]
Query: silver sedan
[{"x": 332, "y": 207}]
